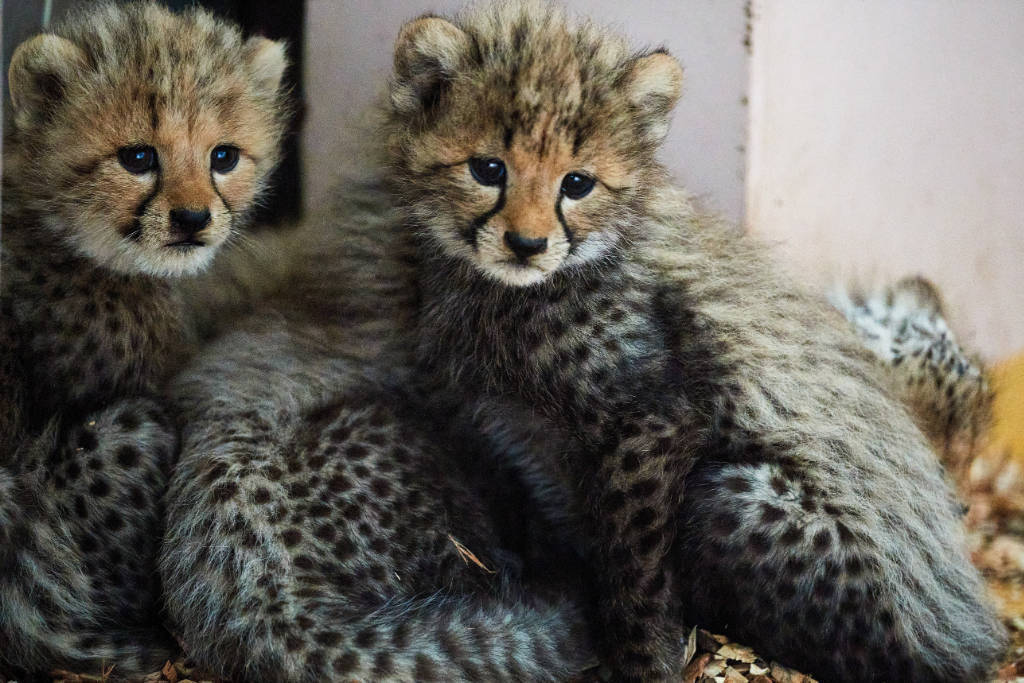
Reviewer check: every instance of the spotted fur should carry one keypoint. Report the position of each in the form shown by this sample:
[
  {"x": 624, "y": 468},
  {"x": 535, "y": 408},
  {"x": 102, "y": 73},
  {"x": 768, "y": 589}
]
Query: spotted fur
[
  {"x": 317, "y": 512},
  {"x": 946, "y": 387},
  {"x": 85, "y": 250},
  {"x": 80, "y": 521},
  {"x": 724, "y": 436},
  {"x": 91, "y": 313}
]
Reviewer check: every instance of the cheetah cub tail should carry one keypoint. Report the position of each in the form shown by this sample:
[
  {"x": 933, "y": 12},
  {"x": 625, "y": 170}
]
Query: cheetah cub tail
[{"x": 945, "y": 387}]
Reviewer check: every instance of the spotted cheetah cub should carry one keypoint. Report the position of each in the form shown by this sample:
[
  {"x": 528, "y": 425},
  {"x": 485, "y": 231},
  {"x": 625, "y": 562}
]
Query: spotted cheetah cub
[
  {"x": 946, "y": 388},
  {"x": 723, "y": 437},
  {"x": 138, "y": 141}
]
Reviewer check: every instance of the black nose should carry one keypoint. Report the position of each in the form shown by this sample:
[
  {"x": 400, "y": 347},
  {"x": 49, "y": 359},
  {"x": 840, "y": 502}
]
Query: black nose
[
  {"x": 185, "y": 222},
  {"x": 525, "y": 247}
]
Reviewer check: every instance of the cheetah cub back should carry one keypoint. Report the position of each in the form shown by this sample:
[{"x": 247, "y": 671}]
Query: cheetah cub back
[{"x": 138, "y": 142}]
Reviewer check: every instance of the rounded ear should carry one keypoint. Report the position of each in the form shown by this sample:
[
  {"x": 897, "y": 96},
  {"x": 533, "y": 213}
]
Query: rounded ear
[
  {"x": 653, "y": 86},
  {"x": 40, "y": 71},
  {"x": 428, "y": 53},
  {"x": 922, "y": 292},
  {"x": 267, "y": 61}
]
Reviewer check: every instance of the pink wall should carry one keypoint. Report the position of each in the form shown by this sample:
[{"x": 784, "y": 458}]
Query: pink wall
[{"x": 887, "y": 138}]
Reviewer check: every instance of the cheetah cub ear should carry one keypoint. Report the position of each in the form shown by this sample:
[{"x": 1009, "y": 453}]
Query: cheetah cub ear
[
  {"x": 923, "y": 294},
  {"x": 653, "y": 85},
  {"x": 267, "y": 61},
  {"x": 41, "y": 70},
  {"x": 428, "y": 53}
]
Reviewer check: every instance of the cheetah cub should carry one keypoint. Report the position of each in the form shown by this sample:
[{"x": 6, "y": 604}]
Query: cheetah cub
[
  {"x": 729, "y": 453},
  {"x": 138, "y": 142},
  {"x": 946, "y": 388}
]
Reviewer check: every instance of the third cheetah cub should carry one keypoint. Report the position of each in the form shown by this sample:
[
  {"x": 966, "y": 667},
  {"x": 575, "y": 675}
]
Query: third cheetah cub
[{"x": 946, "y": 388}]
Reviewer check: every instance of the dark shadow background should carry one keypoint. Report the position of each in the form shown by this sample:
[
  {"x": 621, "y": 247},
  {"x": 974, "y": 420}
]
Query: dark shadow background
[{"x": 276, "y": 19}]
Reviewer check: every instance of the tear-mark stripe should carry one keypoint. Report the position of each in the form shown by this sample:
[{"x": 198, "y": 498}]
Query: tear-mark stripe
[
  {"x": 480, "y": 221},
  {"x": 231, "y": 212},
  {"x": 213, "y": 183},
  {"x": 569, "y": 235},
  {"x": 134, "y": 230}
]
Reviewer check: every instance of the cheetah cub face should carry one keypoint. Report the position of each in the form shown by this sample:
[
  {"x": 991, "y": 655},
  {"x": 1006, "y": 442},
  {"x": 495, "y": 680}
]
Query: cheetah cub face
[
  {"x": 523, "y": 144},
  {"x": 143, "y": 137}
]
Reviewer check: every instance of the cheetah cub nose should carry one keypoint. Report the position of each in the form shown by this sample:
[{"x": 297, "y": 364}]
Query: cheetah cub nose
[
  {"x": 185, "y": 223},
  {"x": 525, "y": 247}
]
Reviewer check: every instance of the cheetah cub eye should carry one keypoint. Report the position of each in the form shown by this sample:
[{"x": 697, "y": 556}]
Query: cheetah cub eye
[
  {"x": 138, "y": 159},
  {"x": 487, "y": 171},
  {"x": 224, "y": 158},
  {"x": 577, "y": 185}
]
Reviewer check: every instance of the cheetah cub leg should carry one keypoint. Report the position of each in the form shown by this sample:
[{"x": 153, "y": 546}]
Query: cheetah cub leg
[
  {"x": 807, "y": 571},
  {"x": 633, "y": 501},
  {"x": 87, "y": 507}
]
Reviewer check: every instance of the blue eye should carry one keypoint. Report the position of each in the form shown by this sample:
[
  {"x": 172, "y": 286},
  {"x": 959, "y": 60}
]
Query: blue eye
[
  {"x": 487, "y": 171},
  {"x": 577, "y": 185},
  {"x": 224, "y": 158},
  {"x": 137, "y": 160}
]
